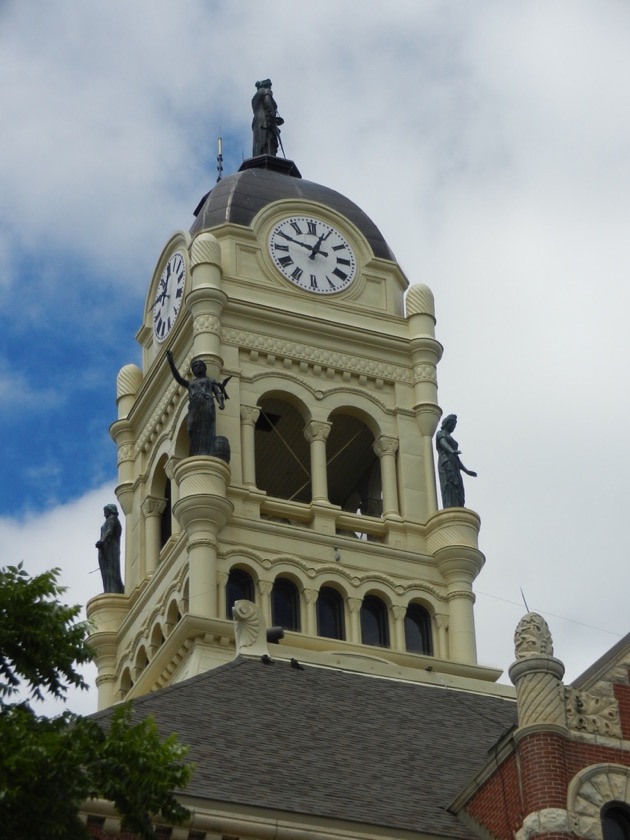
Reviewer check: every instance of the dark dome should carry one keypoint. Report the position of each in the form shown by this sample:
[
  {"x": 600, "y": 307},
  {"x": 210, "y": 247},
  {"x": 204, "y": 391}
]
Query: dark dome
[{"x": 239, "y": 197}]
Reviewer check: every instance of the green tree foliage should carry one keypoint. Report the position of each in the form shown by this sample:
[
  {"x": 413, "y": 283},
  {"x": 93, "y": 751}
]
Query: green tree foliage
[{"x": 48, "y": 767}]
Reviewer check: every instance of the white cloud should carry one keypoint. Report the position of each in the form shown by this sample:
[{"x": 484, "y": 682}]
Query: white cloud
[
  {"x": 488, "y": 142},
  {"x": 63, "y": 537}
]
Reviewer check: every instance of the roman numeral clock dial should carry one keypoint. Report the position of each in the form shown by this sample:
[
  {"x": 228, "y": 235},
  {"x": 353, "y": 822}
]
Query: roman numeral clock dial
[
  {"x": 312, "y": 254},
  {"x": 169, "y": 296}
]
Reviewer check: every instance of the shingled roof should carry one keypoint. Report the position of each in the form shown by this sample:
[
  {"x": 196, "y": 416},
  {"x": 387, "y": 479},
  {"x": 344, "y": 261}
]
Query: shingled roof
[{"x": 328, "y": 743}]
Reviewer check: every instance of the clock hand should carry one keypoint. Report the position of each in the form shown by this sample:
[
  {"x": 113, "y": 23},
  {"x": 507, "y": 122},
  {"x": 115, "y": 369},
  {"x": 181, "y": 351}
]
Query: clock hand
[
  {"x": 160, "y": 298},
  {"x": 297, "y": 241},
  {"x": 318, "y": 245}
]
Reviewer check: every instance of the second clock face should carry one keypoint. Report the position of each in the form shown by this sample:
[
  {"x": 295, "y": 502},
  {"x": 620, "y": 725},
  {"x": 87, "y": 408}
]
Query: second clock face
[
  {"x": 169, "y": 296},
  {"x": 312, "y": 254}
]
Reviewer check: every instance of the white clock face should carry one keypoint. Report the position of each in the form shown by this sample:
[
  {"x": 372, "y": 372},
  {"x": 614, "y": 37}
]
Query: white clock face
[
  {"x": 312, "y": 254},
  {"x": 169, "y": 296}
]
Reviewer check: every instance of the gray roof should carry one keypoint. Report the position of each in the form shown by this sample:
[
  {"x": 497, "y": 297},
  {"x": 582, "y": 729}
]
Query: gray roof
[
  {"x": 329, "y": 743},
  {"x": 239, "y": 197}
]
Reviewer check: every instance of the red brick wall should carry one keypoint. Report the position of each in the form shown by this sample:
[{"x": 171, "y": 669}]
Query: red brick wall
[
  {"x": 534, "y": 778},
  {"x": 622, "y": 696},
  {"x": 497, "y": 805},
  {"x": 543, "y": 771}
]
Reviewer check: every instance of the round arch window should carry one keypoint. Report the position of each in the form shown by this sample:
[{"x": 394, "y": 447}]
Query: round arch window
[{"x": 616, "y": 821}]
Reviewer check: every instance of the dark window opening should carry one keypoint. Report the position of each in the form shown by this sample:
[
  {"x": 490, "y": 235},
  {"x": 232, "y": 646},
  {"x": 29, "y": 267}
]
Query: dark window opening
[
  {"x": 240, "y": 587},
  {"x": 165, "y": 520},
  {"x": 354, "y": 472},
  {"x": 283, "y": 458},
  {"x": 330, "y": 614},
  {"x": 285, "y": 604},
  {"x": 418, "y": 630},
  {"x": 616, "y": 822},
  {"x": 374, "y": 622}
]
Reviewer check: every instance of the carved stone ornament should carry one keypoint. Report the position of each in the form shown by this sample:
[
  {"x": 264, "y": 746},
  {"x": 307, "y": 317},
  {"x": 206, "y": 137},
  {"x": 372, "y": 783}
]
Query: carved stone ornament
[
  {"x": 384, "y": 445},
  {"x": 589, "y": 791},
  {"x": 153, "y": 507},
  {"x": 316, "y": 355},
  {"x": 532, "y": 637},
  {"x": 317, "y": 430},
  {"x": 206, "y": 323},
  {"x": 596, "y": 712},
  {"x": 250, "y": 630},
  {"x": 249, "y": 414}
]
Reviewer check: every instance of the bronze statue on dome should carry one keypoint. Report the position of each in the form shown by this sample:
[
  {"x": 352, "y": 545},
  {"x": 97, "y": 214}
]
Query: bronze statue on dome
[
  {"x": 266, "y": 123},
  {"x": 450, "y": 468}
]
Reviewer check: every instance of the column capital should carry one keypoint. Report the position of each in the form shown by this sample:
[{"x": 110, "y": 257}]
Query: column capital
[
  {"x": 170, "y": 467},
  {"x": 399, "y": 612},
  {"x": 310, "y": 595},
  {"x": 317, "y": 430},
  {"x": 153, "y": 506},
  {"x": 385, "y": 445},
  {"x": 265, "y": 586},
  {"x": 354, "y": 604},
  {"x": 250, "y": 414}
]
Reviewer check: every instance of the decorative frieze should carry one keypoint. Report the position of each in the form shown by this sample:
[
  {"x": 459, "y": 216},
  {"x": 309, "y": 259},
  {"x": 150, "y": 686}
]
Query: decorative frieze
[{"x": 326, "y": 359}]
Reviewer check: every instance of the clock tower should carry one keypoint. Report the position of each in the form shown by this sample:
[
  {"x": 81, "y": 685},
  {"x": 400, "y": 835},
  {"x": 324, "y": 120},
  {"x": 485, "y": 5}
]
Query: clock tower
[{"x": 319, "y": 501}]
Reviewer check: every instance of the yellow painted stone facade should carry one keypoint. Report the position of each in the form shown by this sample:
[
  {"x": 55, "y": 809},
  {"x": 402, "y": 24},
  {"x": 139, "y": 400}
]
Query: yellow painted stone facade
[{"x": 331, "y": 415}]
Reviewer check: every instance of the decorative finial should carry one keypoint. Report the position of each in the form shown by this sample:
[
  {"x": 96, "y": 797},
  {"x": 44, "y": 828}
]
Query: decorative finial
[
  {"x": 266, "y": 123},
  {"x": 532, "y": 637},
  {"x": 220, "y": 157}
]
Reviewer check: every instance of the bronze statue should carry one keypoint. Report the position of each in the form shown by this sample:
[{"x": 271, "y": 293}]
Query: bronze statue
[
  {"x": 202, "y": 392},
  {"x": 109, "y": 551},
  {"x": 450, "y": 468},
  {"x": 266, "y": 122}
]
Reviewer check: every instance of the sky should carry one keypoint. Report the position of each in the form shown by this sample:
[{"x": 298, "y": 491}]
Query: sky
[{"x": 489, "y": 142}]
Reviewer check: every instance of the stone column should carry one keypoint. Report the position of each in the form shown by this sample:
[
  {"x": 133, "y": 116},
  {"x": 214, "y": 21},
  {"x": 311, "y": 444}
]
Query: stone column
[
  {"x": 542, "y": 730},
  {"x": 310, "y": 616},
  {"x": 106, "y": 614},
  {"x": 386, "y": 448},
  {"x": 426, "y": 353},
  {"x": 152, "y": 508},
  {"x": 440, "y": 644},
  {"x": 169, "y": 469},
  {"x": 537, "y": 674},
  {"x": 203, "y": 509},
  {"x": 354, "y": 607},
  {"x": 316, "y": 433},
  {"x": 249, "y": 416},
  {"x": 206, "y": 301},
  {"x": 222, "y": 579},
  {"x": 452, "y": 539},
  {"x": 398, "y": 642},
  {"x": 265, "y": 587}
]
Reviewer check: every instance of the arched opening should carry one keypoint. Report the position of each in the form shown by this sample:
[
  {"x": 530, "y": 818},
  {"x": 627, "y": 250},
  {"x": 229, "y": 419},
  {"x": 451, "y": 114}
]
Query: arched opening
[
  {"x": 142, "y": 660},
  {"x": 374, "y": 622},
  {"x": 330, "y": 614},
  {"x": 285, "y": 604},
  {"x": 283, "y": 461},
  {"x": 157, "y": 640},
  {"x": 354, "y": 474},
  {"x": 126, "y": 683},
  {"x": 239, "y": 587},
  {"x": 615, "y": 821},
  {"x": 166, "y": 520},
  {"x": 172, "y": 617},
  {"x": 161, "y": 489},
  {"x": 418, "y": 638}
]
